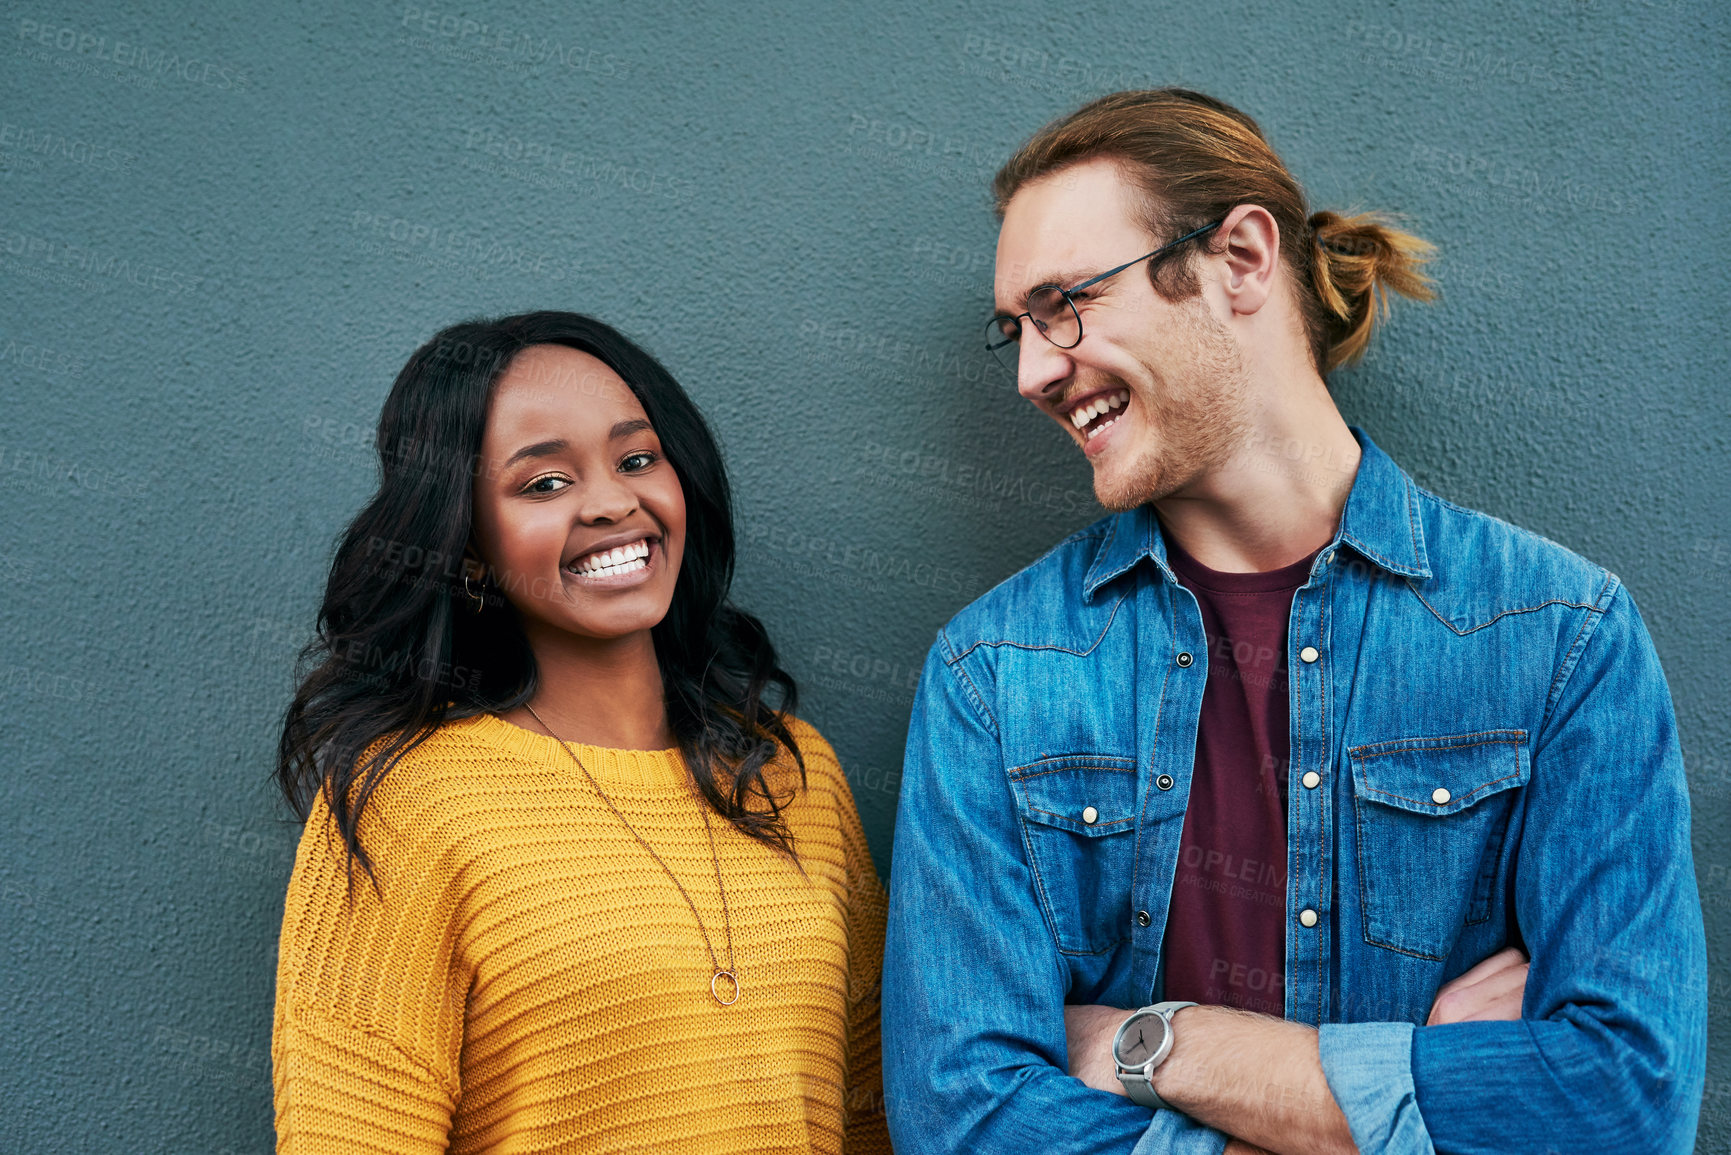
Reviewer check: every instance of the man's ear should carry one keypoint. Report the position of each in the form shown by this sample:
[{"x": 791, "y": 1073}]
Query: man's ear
[{"x": 1252, "y": 257}]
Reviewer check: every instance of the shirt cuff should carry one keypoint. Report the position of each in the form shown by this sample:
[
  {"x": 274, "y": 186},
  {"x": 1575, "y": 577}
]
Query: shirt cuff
[
  {"x": 1369, "y": 1070},
  {"x": 1175, "y": 1133}
]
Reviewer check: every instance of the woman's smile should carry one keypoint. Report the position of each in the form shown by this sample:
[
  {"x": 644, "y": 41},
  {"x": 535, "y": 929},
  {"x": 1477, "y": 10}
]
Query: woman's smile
[
  {"x": 578, "y": 500},
  {"x": 614, "y": 565}
]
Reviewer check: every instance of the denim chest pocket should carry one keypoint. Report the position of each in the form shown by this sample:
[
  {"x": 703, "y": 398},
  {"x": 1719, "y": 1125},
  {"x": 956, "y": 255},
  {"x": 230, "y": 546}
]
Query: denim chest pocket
[
  {"x": 1079, "y": 825},
  {"x": 1432, "y": 814}
]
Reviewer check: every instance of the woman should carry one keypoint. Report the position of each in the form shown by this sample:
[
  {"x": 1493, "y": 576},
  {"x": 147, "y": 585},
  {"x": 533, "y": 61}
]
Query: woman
[{"x": 611, "y": 895}]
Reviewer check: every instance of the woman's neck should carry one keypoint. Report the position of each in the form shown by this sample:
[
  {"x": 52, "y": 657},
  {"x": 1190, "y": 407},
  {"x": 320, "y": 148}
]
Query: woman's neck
[{"x": 601, "y": 692}]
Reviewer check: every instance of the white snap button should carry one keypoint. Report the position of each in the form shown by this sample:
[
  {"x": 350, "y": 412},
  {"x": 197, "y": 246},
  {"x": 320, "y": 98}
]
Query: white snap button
[
  {"x": 1307, "y": 917},
  {"x": 1090, "y": 815},
  {"x": 1311, "y": 779},
  {"x": 1440, "y": 795},
  {"x": 1309, "y": 654}
]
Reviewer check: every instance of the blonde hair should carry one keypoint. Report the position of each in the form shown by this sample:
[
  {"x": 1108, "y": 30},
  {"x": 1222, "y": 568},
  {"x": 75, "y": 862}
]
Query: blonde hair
[{"x": 1194, "y": 158}]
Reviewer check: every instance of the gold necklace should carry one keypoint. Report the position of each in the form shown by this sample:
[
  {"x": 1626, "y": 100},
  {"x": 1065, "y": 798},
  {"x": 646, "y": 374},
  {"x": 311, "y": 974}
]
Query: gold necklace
[{"x": 720, "y": 971}]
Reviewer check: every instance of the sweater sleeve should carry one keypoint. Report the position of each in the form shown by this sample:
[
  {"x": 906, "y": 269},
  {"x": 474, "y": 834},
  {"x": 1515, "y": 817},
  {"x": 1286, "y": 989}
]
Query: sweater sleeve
[
  {"x": 339, "y": 1089},
  {"x": 370, "y": 995},
  {"x": 865, "y": 906},
  {"x": 867, "y": 1129}
]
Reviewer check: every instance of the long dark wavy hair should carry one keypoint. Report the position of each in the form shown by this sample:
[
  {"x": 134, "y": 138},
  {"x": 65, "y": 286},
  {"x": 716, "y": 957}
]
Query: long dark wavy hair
[{"x": 399, "y": 651}]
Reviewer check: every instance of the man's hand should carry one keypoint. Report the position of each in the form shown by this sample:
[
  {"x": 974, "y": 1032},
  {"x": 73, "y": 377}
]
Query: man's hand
[
  {"x": 1490, "y": 991},
  {"x": 1088, "y": 1034},
  {"x": 1287, "y": 1103}
]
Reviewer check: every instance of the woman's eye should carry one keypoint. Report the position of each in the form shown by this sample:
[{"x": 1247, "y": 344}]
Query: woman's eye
[
  {"x": 551, "y": 483},
  {"x": 637, "y": 462}
]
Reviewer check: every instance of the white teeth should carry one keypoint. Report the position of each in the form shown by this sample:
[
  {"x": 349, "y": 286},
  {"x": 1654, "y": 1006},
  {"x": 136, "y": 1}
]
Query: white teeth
[
  {"x": 631, "y": 566},
  {"x": 623, "y": 559},
  {"x": 1083, "y": 414},
  {"x": 1101, "y": 428}
]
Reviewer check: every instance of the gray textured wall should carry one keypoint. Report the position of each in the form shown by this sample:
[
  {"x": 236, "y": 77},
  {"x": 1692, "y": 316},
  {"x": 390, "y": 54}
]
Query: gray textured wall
[{"x": 224, "y": 229}]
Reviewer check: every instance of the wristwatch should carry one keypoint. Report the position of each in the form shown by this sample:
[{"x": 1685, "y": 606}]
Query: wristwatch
[{"x": 1142, "y": 1044}]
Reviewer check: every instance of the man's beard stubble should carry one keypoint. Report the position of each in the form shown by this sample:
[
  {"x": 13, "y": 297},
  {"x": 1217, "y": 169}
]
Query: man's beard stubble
[{"x": 1193, "y": 413}]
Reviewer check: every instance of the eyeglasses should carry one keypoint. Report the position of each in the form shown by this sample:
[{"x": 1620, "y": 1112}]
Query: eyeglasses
[{"x": 1053, "y": 310}]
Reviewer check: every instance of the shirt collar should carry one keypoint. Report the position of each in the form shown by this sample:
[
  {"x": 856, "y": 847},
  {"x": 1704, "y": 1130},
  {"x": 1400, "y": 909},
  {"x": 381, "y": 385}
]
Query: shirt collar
[{"x": 1380, "y": 522}]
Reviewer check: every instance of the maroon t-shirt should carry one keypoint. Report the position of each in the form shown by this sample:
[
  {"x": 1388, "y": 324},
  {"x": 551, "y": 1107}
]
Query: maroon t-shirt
[{"x": 1226, "y": 932}]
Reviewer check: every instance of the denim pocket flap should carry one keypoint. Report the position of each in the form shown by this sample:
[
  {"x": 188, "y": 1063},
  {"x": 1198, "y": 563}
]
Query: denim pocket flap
[
  {"x": 1088, "y": 795},
  {"x": 1440, "y": 776}
]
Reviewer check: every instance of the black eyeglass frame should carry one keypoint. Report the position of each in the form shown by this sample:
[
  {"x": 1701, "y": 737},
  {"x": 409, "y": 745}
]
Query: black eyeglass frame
[{"x": 995, "y": 327}]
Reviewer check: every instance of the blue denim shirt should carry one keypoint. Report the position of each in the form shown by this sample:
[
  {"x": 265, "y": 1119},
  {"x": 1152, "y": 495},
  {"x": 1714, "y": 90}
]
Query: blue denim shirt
[{"x": 1496, "y": 763}]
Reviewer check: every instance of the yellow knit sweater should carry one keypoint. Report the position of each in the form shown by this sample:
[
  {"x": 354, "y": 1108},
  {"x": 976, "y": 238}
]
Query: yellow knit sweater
[{"x": 526, "y": 978}]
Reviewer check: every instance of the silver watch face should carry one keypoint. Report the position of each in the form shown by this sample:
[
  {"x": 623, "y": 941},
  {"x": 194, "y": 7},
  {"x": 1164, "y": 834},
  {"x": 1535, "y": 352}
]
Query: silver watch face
[{"x": 1142, "y": 1036}]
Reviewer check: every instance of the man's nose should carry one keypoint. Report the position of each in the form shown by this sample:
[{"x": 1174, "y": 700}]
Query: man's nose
[{"x": 1041, "y": 367}]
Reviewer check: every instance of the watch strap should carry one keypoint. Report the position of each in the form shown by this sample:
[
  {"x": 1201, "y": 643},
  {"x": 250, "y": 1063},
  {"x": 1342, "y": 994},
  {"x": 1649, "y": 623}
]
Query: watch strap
[
  {"x": 1139, "y": 1081},
  {"x": 1141, "y": 1091}
]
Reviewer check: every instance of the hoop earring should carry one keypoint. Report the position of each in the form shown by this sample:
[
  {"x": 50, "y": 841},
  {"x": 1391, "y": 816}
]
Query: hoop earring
[{"x": 477, "y": 601}]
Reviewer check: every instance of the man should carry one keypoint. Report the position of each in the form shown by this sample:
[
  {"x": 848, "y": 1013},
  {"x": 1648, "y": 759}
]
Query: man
[{"x": 1286, "y": 736}]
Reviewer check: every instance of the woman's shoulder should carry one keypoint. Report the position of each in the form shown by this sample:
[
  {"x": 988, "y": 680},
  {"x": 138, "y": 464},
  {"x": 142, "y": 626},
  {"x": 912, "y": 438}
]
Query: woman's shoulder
[
  {"x": 455, "y": 768},
  {"x": 437, "y": 801},
  {"x": 824, "y": 817},
  {"x": 812, "y": 744},
  {"x": 823, "y": 768},
  {"x": 826, "y": 789}
]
